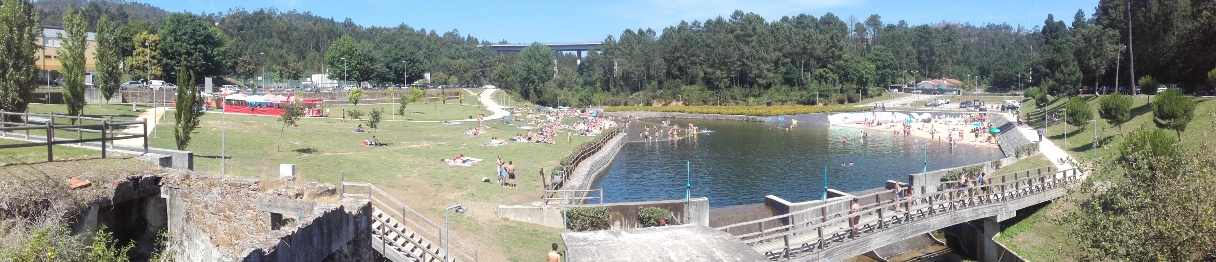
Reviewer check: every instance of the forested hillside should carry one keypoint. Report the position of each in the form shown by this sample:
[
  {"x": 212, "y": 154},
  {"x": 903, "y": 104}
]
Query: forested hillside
[{"x": 741, "y": 58}]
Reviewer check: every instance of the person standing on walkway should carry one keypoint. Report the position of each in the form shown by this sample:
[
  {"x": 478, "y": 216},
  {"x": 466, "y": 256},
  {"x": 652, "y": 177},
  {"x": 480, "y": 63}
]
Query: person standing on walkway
[
  {"x": 855, "y": 219},
  {"x": 1040, "y": 135},
  {"x": 511, "y": 173}
]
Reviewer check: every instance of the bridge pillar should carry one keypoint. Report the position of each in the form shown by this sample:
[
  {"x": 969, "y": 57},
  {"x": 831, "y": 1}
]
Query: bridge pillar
[{"x": 988, "y": 250}]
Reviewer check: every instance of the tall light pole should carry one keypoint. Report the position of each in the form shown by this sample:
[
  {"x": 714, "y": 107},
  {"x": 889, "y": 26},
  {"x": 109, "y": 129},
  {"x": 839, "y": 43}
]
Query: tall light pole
[
  {"x": 1131, "y": 54},
  {"x": 1065, "y": 126},
  {"x": 263, "y": 70},
  {"x": 447, "y": 235},
  {"x": 343, "y": 73},
  {"x": 151, "y": 95}
]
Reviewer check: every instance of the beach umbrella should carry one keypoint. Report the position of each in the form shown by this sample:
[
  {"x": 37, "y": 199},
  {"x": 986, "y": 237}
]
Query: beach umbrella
[
  {"x": 976, "y": 124},
  {"x": 994, "y": 130}
]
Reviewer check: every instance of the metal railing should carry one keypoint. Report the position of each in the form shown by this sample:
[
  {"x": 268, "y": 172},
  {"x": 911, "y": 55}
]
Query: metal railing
[
  {"x": 581, "y": 195},
  {"x": 104, "y": 127},
  {"x": 785, "y": 236},
  {"x": 419, "y": 224},
  {"x": 554, "y": 187}
]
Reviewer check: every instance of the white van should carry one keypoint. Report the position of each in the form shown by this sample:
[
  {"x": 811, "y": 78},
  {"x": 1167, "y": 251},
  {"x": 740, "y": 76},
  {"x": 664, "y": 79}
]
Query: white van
[{"x": 156, "y": 84}]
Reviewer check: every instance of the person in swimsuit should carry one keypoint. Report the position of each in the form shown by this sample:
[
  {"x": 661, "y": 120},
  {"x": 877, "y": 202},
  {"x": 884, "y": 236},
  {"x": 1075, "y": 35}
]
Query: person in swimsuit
[
  {"x": 511, "y": 173},
  {"x": 853, "y": 209}
]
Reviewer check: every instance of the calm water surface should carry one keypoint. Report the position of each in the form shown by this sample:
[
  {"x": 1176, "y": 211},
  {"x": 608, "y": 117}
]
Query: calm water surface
[{"x": 741, "y": 162}]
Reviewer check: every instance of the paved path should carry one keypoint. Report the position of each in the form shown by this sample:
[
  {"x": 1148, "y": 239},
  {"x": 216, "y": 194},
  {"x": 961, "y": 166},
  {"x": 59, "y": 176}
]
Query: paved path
[
  {"x": 147, "y": 114},
  {"x": 487, "y": 99},
  {"x": 1049, "y": 149},
  {"x": 906, "y": 101}
]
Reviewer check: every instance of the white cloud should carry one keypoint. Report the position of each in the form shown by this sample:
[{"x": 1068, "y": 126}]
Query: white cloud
[{"x": 662, "y": 13}]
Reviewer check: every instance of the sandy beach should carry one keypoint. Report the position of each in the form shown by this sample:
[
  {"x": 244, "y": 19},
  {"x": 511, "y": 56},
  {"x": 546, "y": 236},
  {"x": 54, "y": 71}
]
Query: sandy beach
[{"x": 936, "y": 132}]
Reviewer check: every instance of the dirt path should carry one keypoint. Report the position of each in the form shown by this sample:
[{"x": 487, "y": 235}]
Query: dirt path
[{"x": 152, "y": 120}]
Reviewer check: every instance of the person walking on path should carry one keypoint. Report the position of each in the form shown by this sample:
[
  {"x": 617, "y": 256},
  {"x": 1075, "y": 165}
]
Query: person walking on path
[
  {"x": 553, "y": 255},
  {"x": 1040, "y": 135},
  {"x": 855, "y": 219},
  {"x": 511, "y": 174}
]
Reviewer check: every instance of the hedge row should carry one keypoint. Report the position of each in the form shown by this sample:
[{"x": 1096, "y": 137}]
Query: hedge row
[{"x": 736, "y": 110}]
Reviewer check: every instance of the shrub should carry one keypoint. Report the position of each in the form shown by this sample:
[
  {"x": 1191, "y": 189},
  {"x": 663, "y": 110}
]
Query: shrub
[
  {"x": 355, "y": 113},
  {"x": 1026, "y": 150},
  {"x": 649, "y": 216},
  {"x": 587, "y": 218},
  {"x": 969, "y": 171}
]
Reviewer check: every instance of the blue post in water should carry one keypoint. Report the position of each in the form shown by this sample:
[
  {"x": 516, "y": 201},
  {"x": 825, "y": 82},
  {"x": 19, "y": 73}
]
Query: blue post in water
[
  {"x": 688, "y": 183},
  {"x": 926, "y": 168},
  {"x": 825, "y": 184}
]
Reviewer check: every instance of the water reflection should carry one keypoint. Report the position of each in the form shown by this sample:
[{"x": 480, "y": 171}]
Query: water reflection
[{"x": 741, "y": 162}]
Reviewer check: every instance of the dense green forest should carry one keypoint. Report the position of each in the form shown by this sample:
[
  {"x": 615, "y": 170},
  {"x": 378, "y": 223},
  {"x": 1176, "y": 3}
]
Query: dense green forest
[{"x": 739, "y": 59}]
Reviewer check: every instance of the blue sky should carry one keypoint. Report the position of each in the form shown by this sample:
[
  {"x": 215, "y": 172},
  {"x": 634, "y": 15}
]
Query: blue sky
[{"x": 574, "y": 21}]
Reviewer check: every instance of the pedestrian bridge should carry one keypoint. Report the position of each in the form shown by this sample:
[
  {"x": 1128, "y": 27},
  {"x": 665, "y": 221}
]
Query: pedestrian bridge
[{"x": 822, "y": 230}]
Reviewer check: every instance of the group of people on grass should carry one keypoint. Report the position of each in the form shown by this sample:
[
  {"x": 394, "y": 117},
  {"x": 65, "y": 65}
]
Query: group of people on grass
[{"x": 506, "y": 173}]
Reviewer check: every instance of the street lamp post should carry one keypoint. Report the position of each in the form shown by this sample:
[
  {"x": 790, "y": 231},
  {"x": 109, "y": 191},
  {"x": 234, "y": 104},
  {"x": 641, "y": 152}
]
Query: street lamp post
[
  {"x": 263, "y": 70},
  {"x": 447, "y": 235},
  {"x": 148, "y": 81},
  {"x": 1065, "y": 126},
  {"x": 343, "y": 73}
]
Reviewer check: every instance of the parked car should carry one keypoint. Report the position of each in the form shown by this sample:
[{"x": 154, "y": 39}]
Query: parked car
[
  {"x": 932, "y": 103},
  {"x": 1086, "y": 91},
  {"x": 964, "y": 104},
  {"x": 131, "y": 84}
]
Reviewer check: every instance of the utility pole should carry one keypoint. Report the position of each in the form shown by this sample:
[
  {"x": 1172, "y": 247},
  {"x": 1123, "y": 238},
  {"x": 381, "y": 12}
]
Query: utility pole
[{"x": 1131, "y": 53}]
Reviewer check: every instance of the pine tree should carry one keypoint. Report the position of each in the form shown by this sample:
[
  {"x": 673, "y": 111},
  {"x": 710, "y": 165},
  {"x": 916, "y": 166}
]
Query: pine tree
[{"x": 188, "y": 108}]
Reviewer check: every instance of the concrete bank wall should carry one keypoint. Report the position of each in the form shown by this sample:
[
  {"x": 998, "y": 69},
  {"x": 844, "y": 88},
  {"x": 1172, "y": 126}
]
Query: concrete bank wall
[
  {"x": 622, "y": 215},
  {"x": 336, "y": 235},
  {"x": 332, "y": 232}
]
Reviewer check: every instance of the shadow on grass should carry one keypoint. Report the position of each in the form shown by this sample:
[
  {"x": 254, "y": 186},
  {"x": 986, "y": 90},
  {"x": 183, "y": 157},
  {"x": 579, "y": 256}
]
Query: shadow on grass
[
  {"x": 1141, "y": 110},
  {"x": 305, "y": 150},
  {"x": 213, "y": 157},
  {"x": 1022, "y": 215}
]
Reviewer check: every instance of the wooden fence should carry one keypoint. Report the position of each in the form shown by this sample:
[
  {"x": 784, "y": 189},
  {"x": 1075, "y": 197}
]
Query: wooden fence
[{"x": 34, "y": 124}]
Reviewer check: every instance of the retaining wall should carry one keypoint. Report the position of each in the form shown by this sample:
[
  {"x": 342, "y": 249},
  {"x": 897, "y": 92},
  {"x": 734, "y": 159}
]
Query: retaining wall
[{"x": 622, "y": 215}]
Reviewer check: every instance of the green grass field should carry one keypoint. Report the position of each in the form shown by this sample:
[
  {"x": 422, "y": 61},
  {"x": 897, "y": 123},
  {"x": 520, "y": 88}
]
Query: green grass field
[
  {"x": 409, "y": 168},
  {"x": 1040, "y": 236}
]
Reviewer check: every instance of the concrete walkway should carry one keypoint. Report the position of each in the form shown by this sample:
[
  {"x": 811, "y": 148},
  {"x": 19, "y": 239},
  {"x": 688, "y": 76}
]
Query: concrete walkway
[
  {"x": 900, "y": 102},
  {"x": 487, "y": 99},
  {"x": 152, "y": 120},
  {"x": 1049, "y": 149}
]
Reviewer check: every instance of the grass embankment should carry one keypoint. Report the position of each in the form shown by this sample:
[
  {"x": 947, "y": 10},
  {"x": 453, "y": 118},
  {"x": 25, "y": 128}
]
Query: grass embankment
[
  {"x": 409, "y": 168},
  {"x": 1040, "y": 236}
]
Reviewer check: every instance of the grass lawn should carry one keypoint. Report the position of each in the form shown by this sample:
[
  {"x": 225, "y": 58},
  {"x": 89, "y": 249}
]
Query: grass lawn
[
  {"x": 1037, "y": 235},
  {"x": 1040, "y": 236},
  {"x": 37, "y": 154},
  {"x": 409, "y": 168},
  {"x": 1033, "y": 162},
  {"x": 1079, "y": 141}
]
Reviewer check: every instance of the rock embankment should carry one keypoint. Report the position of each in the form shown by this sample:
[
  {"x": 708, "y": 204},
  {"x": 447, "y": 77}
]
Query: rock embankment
[{"x": 644, "y": 114}]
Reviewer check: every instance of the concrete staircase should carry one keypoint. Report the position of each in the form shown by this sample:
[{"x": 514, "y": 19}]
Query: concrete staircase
[
  {"x": 398, "y": 243},
  {"x": 401, "y": 234}
]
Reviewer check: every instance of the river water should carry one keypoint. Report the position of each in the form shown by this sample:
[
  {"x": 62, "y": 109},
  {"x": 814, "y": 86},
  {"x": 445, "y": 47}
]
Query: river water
[{"x": 741, "y": 162}]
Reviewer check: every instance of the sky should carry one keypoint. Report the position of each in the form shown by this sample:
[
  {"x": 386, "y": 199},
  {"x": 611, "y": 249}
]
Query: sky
[{"x": 553, "y": 21}]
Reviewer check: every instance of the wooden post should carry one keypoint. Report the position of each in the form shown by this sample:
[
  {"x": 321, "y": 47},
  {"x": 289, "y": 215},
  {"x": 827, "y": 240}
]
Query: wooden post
[
  {"x": 26, "y": 121},
  {"x": 881, "y": 222},
  {"x": 342, "y": 185},
  {"x": 104, "y": 124},
  {"x": 145, "y": 135},
  {"x": 79, "y": 131},
  {"x": 50, "y": 138}
]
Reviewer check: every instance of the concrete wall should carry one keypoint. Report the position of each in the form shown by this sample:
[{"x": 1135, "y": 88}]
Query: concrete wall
[
  {"x": 622, "y": 215},
  {"x": 93, "y": 96},
  {"x": 336, "y": 235}
]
